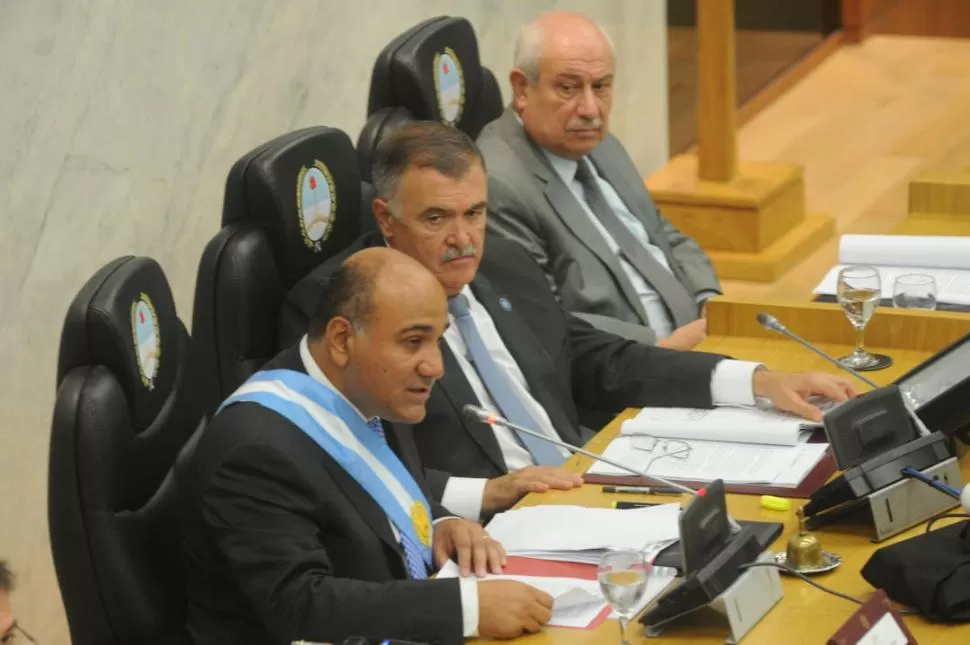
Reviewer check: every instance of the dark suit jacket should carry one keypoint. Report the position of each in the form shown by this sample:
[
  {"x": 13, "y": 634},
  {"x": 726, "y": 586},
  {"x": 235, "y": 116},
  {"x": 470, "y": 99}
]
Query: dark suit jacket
[
  {"x": 565, "y": 360},
  {"x": 529, "y": 203},
  {"x": 281, "y": 544}
]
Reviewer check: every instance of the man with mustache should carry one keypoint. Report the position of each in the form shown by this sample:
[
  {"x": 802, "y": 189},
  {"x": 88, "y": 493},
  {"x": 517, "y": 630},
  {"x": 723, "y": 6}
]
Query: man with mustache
[
  {"x": 564, "y": 188},
  {"x": 509, "y": 346}
]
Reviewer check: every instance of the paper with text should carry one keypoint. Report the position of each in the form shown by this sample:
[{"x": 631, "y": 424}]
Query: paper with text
[
  {"x": 735, "y": 424},
  {"x": 737, "y": 463},
  {"x": 576, "y": 602}
]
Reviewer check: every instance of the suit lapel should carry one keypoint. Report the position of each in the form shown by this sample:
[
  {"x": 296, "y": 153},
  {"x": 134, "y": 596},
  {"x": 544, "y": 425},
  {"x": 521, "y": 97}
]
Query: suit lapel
[
  {"x": 369, "y": 509},
  {"x": 566, "y": 206},
  {"x": 456, "y": 387}
]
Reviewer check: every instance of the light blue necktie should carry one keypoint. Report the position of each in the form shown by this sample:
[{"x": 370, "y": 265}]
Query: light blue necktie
[
  {"x": 412, "y": 553},
  {"x": 499, "y": 387}
]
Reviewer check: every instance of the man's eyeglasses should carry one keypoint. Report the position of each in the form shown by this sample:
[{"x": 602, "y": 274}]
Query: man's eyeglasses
[{"x": 17, "y": 635}]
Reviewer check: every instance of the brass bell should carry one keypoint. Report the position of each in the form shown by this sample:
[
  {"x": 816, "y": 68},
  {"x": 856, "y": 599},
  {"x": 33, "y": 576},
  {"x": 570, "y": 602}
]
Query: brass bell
[{"x": 804, "y": 550}]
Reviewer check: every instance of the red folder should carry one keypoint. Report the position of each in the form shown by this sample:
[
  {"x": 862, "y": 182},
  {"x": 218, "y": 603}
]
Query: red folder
[
  {"x": 862, "y": 621},
  {"x": 814, "y": 480}
]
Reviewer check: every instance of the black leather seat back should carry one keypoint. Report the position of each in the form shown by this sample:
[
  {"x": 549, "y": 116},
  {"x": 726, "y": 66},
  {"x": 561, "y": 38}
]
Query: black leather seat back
[
  {"x": 434, "y": 72},
  {"x": 290, "y": 204},
  {"x": 126, "y": 405}
]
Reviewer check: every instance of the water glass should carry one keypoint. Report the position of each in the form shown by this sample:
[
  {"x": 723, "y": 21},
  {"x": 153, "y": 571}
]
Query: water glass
[
  {"x": 859, "y": 290},
  {"x": 915, "y": 291},
  {"x": 623, "y": 581}
]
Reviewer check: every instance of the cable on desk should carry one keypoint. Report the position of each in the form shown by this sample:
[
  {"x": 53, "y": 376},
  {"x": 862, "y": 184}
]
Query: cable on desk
[
  {"x": 929, "y": 525},
  {"x": 821, "y": 587}
]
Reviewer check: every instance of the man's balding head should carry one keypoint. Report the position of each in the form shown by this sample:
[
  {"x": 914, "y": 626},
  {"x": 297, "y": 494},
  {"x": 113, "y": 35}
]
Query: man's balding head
[
  {"x": 562, "y": 82},
  {"x": 376, "y": 331}
]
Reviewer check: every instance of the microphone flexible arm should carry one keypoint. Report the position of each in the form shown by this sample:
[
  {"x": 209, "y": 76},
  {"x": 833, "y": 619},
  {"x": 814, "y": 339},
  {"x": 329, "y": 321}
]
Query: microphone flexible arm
[
  {"x": 482, "y": 415},
  {"x": 773, "y": 324}
]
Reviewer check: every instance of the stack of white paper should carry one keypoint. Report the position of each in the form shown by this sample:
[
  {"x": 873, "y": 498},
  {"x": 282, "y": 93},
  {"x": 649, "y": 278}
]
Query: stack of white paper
[
  {"x": 946, "y": 258},
  {"x": 737, "y": 463},
  {"x": 736, "y": 424},
  {"x": 576, "y": 602},
  {"x": 580, "y": 534}
]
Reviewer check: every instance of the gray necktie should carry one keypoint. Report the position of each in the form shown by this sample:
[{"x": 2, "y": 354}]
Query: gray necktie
[
  {"x": 683, "y": 309},
  {"x": 499, "y": 387}
]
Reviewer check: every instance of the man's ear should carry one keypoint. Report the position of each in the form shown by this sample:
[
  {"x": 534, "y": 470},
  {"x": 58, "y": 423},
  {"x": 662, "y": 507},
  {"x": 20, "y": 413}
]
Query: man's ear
[
  {"x": 519, "y": 84},
  {"x": 384, "y": 217},
  {"x": 339, "y": 340}
]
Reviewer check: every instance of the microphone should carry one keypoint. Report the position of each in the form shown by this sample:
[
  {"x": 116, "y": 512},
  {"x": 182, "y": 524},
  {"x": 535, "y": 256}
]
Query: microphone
[
  {"x": 771, "y": 323},
  {"x": 476, "y": 413}
]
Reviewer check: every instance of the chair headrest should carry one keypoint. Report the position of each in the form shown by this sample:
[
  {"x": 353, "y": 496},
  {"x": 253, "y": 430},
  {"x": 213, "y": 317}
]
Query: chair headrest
[
  {"x": 124, "y": 318},
  {"x": 434, "y": 72},
  {"x": 303, "y": 188},
  {"x": 378, "y": 125}
]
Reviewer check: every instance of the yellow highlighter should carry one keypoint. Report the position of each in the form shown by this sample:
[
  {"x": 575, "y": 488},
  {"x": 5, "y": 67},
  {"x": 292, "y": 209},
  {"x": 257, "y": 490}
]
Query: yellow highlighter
[{"x": 775, "y": 503}]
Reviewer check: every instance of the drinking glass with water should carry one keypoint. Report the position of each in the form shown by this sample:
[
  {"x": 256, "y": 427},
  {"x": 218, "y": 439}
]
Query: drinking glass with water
[
  {"x": 915, "y": 291},
  {"x": 859, "y": 291},
  {"x": 623, "y": 581}
]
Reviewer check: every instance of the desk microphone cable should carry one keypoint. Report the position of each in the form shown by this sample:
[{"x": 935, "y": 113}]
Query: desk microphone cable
[{"x": 798, "y": 574}]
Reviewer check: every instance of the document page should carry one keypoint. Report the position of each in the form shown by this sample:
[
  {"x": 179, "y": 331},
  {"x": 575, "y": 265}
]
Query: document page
[
  {"x": 735, "y": 424},
  {"x": 946, "y": 258},
  {"x": 576, "y": 601},
  {"x": 736, "y": 463},
  {"x": 564, "y": 529},
  {"x": 930, "y": 251},
  {"x": 952, "y": 285}
]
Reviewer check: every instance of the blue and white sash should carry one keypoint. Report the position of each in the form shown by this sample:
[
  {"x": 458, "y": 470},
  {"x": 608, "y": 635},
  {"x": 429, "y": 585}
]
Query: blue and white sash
[{"x": 328, "y": 419}]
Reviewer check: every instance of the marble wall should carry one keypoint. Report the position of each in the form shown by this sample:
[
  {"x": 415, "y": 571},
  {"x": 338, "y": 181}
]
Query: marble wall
[{"x": 118, "y": 122}]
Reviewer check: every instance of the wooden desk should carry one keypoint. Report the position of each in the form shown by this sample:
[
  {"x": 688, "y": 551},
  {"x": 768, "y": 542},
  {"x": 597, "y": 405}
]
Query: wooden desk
[{"x": 805, "y": 615}]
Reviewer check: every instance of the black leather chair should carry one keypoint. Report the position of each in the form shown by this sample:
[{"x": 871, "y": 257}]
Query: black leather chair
[
  {"x": 125, "y": 407},
  {"x": 289, "y": 205},
  {"x": 409, "y": 74}
]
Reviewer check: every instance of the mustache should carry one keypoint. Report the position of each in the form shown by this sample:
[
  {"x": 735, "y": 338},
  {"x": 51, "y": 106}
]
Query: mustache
[
  {"x": 453, "y": 253},
  {"x": 583, "y": 123}
]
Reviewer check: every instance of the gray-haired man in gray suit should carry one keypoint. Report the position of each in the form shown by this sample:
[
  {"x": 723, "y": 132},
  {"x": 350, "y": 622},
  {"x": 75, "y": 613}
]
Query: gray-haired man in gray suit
[{"x": 566, "y": 189}]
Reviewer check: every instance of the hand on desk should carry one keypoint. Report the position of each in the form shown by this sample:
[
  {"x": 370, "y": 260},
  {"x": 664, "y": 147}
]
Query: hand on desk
[
  {"x": 469, "y": 545},
  {"x": 503, "y": 492},
  {"x": 508, "y": 608},
  {"x": 789, "y": 391},
  {"x": 687, "y": 337}
]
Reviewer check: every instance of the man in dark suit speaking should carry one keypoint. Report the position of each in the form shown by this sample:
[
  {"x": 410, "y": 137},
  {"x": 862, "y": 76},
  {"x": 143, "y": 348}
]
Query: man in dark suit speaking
[
  {"x": 300, "y": 523},
  {"x": 510, "y": 346}
]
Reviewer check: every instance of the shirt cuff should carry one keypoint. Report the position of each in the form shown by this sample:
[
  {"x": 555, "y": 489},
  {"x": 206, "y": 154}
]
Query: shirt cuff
[
  {"x": 701, "y": 296},
  {"x": 468, "y": 588},
  {"x": 463, "y": 495},
  {"x": 733, "y": 383}
]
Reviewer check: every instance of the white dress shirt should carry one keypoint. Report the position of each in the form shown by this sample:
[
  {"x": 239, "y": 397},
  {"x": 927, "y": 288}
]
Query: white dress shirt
[
  {"x": 730, "y": 385},
  {"x": 657, "y": 314},
  {"x": 467, "y": 586}
]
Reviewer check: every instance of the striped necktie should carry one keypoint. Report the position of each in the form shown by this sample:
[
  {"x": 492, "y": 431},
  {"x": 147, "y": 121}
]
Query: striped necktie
[{"x": 499, "y": 386}]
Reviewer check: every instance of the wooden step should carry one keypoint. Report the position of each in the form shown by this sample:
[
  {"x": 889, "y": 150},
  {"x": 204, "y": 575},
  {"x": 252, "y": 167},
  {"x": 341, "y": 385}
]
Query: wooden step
[
  {"x": 940, "y": 192},
  {"x": 779, "y": 257}
]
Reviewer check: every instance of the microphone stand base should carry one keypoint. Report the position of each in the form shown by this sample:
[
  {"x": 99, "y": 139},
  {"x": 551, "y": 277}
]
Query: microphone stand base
[
  {"x": 881, "y": 362},
  {"x": 899, "y": 506},
  {"x": 739, "y": 608}
]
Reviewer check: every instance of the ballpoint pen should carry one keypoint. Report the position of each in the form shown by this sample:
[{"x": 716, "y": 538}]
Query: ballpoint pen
[{"x": 641, "y": 490}]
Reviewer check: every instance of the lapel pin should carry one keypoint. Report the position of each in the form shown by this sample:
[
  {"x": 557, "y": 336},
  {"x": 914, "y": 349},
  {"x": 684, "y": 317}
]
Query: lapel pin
[{"x": 505, "y": 304}]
